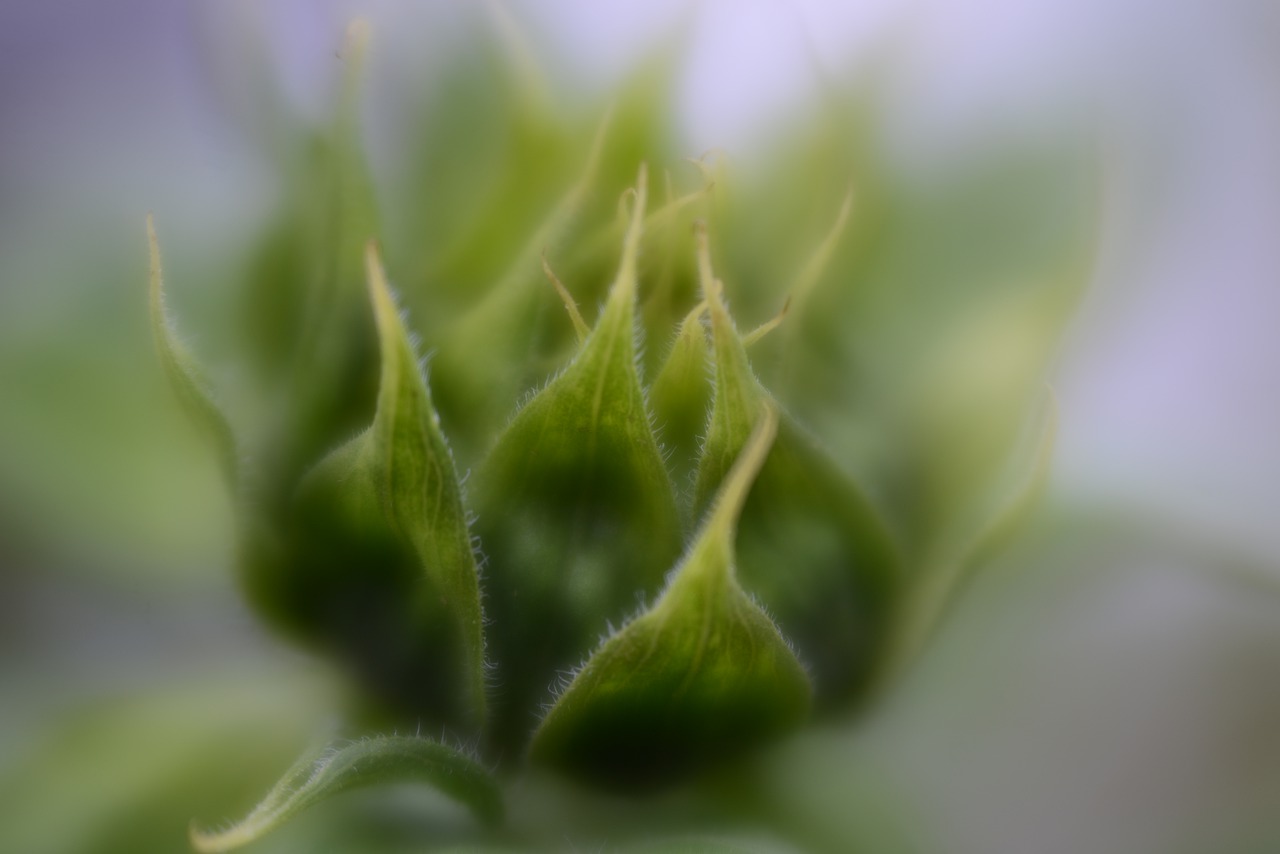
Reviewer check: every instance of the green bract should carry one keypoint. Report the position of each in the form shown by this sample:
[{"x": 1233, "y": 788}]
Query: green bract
[
  {"x": 577, "y": 511},
  {"x": 382, "y": 549},
  {"x": 373, "y": 761},
  {"x": 700, "y": 676},
  {"x": 834, "y": 597},
  {"x": 661, "y": 559}
]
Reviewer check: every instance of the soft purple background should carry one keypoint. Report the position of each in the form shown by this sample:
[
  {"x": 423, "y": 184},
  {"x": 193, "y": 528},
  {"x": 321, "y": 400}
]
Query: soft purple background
[
  {"x": 1171, "y": 382},
  {"x": 1143, "y": 724}
]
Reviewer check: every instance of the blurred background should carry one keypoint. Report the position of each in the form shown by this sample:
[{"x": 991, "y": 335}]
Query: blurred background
[{"x": 1112, "y": 685}]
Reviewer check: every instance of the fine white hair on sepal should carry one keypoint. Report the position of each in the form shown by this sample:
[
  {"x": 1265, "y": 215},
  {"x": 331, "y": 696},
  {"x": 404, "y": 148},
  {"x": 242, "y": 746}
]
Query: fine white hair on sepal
[
  {"x": 787, "y": 641},
  {"x": 528, "y": 395},
  {"x": 560, "y": 685}
]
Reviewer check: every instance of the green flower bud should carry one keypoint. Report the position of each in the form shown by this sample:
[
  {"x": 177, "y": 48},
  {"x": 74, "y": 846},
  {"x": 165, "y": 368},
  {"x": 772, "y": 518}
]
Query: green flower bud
[{"x": 753, "y": 580}]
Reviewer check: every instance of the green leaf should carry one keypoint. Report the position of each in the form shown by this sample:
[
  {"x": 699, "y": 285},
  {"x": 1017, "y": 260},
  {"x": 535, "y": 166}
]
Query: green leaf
[
  {"x": 576, "y": 510},
  {"x": 1024, "y": 484},
  {"x": 702, "y": 676},
  {"x": 125, "y": 770},
  {"x": 948, "y": 572},
  {"x": 810, "y": 545},
  {"x": 379, "y": 761},
  {"x": 378, "y": 563},
  {"x": 185, "y": 375}
]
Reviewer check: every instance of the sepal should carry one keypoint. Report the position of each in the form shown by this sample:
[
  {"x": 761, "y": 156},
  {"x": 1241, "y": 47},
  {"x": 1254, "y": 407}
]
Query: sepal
[
  {"x": 702, "y": 676},
  {"x": 576, "y": 509},
  {"x": 376, "y": 561},
  {"x": 376, "y": 761}
]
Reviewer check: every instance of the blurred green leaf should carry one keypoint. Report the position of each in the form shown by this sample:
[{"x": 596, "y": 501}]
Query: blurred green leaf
[
  {"x": 125, "y": 774},
  {"x": 936, "y": 587},
  {"x": 185, "y": 375},
  {"x": 306, "y": 324}
]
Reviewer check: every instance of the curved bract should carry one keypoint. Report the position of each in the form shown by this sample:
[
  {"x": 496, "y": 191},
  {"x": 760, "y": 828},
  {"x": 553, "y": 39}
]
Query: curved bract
[{"x": 701, "y": 676}]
